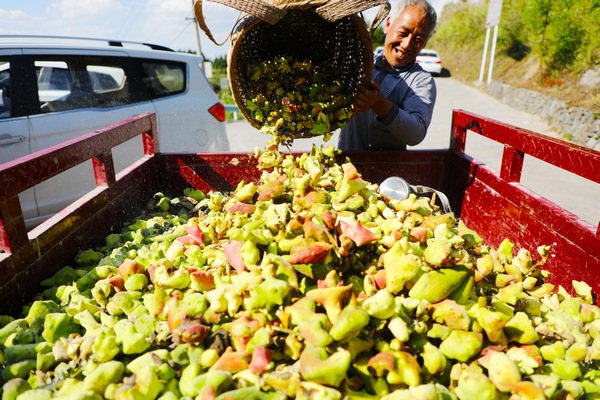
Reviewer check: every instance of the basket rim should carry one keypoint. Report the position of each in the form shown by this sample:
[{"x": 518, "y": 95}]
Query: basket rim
[{"x": 245, "y": 23}]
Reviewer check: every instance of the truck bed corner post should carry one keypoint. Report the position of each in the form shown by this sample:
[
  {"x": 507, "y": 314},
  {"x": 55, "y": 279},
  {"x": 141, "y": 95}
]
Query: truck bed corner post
[
  {"x": 4, "y": 244},
  {"x": 13, "y": 233},
  {"x": 150, "y": 137},
  {"x": 458, "y": 136}
]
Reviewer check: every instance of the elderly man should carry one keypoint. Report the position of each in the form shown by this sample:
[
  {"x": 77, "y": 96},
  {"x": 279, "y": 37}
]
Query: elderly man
[{"x": 395, "y": 109}]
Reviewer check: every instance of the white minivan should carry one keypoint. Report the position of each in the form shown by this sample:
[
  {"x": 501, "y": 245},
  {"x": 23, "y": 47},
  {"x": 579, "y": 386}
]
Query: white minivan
[{"x": 54, "y": 89}]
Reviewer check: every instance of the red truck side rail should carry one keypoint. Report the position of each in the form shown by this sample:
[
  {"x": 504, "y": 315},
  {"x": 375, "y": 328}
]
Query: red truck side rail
[
  {"x": 499, "y": 207},
  {"x": 494, "y": 204}
]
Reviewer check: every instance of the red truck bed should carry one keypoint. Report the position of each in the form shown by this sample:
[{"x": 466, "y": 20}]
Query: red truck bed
[{"x": 494, "y": 204}]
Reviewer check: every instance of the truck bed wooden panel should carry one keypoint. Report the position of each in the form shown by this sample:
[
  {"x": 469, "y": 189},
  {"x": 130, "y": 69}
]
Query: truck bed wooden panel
[{"x": 223, "y": 172}]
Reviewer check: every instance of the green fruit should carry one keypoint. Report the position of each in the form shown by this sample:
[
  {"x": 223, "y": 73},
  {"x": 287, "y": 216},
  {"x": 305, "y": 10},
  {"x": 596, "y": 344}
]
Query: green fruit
[
  {"x": 319, "y": 367},
  {"x": 520, "y": 329},
  {"x": 437, "y": 284},
  {"x": 381, "y": 305},
  {"x": 399, "y": 267},
  {"x": 462, "y": 345},
  {"x": 502, "y": 371},
  {"x": 351, "y": 321},
  {"x": 136, "y": 282},
  {"x": 102, "y": 375},
  {"x": 20, "y": 369},
  {"x": 473, "y": 384},
  {"x": 14, "y": 387}
]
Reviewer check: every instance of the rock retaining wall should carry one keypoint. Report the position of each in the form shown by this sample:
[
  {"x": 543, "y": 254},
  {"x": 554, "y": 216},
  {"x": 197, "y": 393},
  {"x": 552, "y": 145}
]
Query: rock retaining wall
[{"x": 579, "y": 125}]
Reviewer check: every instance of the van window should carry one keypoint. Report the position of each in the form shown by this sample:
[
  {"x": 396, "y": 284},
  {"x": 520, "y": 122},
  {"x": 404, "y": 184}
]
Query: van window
[
  {"x": 106, "y": 78},
  {"x": 54, "y": 79},
  {"x": 5, "y": 101},
  {"x": 81, "y": 82},
  {"x": 164, "y": 78}
]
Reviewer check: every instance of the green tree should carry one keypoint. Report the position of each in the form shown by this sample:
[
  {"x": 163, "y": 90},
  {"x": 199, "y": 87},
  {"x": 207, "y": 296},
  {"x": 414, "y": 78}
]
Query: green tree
[
  {"x": 461, "y": 25},
  {"x": 537, "y": 17},
  {"x": 566, "y": 39},
  {"x": 378, "y": 37},
  {"x": 589, "y": 53},
  {"x": 558, "y": 31},
  {"x": 220, "y": 63},
  {"x": 513, "y": 33}
]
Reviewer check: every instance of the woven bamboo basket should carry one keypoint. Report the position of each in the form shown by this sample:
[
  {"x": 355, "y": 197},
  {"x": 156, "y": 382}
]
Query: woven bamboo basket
[{"x": 330, "y": 33}]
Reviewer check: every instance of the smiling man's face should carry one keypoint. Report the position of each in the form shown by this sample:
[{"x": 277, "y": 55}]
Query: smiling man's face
[{"x": 405, "y": 36}]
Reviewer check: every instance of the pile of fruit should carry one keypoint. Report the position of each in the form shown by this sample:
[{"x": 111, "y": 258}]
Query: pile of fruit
[
  {"x": 290, "y": 98},
  {"x": 309, "y": 285}
]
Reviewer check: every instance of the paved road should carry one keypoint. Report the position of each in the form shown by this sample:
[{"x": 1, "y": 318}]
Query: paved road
[{"x": 578, "y": 195}]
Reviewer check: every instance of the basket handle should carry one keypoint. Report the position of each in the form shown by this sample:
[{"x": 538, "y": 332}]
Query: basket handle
[
  {"x": 258, "y": 8},
  {"x": 382, "y": 14},
  {"x": 336, "y": 9}
]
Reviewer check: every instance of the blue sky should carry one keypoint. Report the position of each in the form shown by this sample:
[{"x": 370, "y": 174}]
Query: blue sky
[{"x": 164, "y": 22}]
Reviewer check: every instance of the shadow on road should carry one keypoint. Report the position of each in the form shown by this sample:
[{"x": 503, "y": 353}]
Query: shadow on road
[{"x": 445, "y": 73}]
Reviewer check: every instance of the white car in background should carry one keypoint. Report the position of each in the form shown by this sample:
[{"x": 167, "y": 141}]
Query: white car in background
[
  {"x": 54, "y": 89},
  {"x": 430, "y": 61}
]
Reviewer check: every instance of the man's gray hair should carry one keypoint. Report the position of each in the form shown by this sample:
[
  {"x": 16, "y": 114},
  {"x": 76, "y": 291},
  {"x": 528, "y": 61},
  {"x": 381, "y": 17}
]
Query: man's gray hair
[{"x": 423, "y": 4}]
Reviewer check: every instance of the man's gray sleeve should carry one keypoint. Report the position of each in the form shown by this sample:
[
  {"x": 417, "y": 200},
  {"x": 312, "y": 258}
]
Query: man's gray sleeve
[{"x": 409, "y": 122}]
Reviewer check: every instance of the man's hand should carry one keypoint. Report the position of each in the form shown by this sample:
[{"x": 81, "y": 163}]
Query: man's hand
[{"x": 369, "y": 97}]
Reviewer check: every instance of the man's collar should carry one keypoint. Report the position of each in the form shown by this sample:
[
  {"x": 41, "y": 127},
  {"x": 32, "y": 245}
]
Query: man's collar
[{"x": 380, "y": 65}]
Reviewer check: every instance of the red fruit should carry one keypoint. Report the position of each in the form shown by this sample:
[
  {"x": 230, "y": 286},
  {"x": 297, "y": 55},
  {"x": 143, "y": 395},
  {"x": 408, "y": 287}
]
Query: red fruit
[
  {"x": 315, "y": 111},
  {"x": 117, "y": 282},
  {"x": 309, "y": 254},
  {"x": 233, "y": 252},
  {"x": 328, "y": 219},
  {"x": 194, "y": 236},
  {"x": 129, "y": 267},
  {"x": 195, "y": 333},
  {"x": 310, "y": 198},
  {"x": 296, "y": 224},
  {"x": 241, "y": 208},
  {"x": 271, "y": 190},
  {"x": 231, "y": 361},
  {"x": 315, "y": 232},
  {"x": 174, "y": 314},
  {"x": 382, "y": 363},
  {"x": 202, "y": 281},
  {"x": 418, "y": 234},
  {"x": 208, "y": 393},
  {"x": 261, "y": 357},
  {"x": 356, "y": 232},
  {"x": 151, "y": 270},
  {"x": 187, "y": 239},
  {"x": 350, "y": 171},
  {"x": 379, "y": 278}
]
